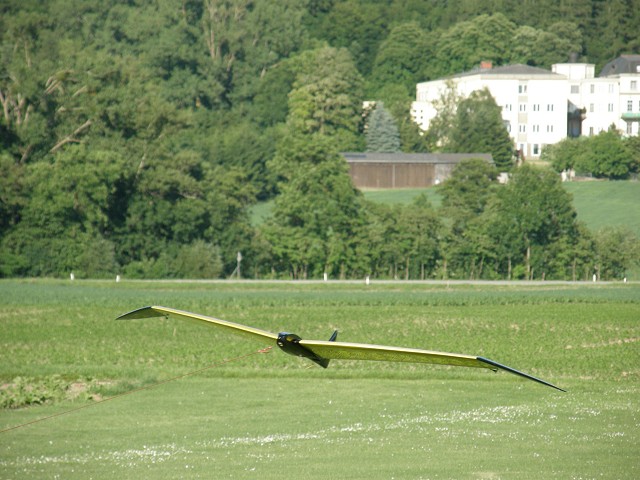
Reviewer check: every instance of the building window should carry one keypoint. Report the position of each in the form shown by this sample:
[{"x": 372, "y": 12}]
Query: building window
[
  {"x": 522, "y": 89},
  {"x": 536, "y": 107},
  {"x": 507, "y": 107},
  {"x": 575, "y": 88},
  {"x": 629, "y": 106},
  {"x": 536, "y": 149},
  {"x": 592, "y": 88},
  {"x": 536, "y": 128},
  {"x": 629, "y": 128},
  {"x": 549, "y": 128},
  {"x": 611, "y": 88},
  {"x": 550, "y": 107},
  {"x": 634, "y": 85},
  {"x": 523, "y": 107},
  {"x": 591, "y": 131},
  {"x": 610, "y": 107},
  {"x": 522, "y": 128}
]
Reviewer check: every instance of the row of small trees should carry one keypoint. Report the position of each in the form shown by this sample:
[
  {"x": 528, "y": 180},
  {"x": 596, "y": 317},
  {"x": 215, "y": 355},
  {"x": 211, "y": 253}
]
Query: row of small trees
[{"x": 523, "y": 230}]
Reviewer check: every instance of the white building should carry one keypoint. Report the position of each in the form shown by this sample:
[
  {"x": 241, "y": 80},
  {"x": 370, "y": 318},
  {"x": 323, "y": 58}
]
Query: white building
[
  {"x": 613, "y": 97},
  {"x": 541, "y": 107}
]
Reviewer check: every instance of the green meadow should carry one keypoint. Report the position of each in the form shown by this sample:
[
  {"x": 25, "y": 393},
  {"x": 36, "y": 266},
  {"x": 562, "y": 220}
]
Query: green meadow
[
  {"x": 602, "y": 204},
  {"x": 599, "y": 204},
  {"x": 271, "y": 415}
]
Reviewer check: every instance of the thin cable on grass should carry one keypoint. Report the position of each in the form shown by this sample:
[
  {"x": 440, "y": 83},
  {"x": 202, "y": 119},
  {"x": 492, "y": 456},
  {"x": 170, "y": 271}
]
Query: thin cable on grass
[{"x": 147, "y": 387}]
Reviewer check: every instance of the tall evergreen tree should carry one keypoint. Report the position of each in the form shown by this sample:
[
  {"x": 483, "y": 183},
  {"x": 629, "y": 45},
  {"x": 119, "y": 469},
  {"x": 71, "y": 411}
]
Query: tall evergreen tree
[{"x": 382, "y": 132}]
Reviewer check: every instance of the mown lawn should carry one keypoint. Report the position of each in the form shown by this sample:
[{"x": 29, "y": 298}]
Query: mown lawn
[{"x": 273, "y": 416}]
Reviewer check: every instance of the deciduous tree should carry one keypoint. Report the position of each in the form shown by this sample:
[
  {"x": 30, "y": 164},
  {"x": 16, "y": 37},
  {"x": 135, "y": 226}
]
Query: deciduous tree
[
  {"x": 478, "y": 128},
  {"x": 327, "y": 96},
  {"x": 535, "y": 211}
]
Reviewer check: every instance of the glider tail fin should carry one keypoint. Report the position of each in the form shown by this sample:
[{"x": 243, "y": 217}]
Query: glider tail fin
[{"x": 324, "y": 362}]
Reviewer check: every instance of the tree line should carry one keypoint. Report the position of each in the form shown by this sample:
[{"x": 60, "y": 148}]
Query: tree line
[
  {"x": 134, "y": 137},
  {"x": 526, "y": 229}
]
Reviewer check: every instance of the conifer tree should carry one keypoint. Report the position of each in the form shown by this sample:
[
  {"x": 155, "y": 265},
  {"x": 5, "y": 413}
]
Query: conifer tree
[{"x": 382, "y": 133}]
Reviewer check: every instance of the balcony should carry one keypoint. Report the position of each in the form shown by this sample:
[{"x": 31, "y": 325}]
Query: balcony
[{"x": 631, "y": 116}]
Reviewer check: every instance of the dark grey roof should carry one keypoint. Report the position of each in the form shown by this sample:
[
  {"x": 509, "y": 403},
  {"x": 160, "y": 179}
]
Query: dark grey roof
[
  {"x": 517, "y": 69},
  {"x": 622, "y": 64},
  {"x": 375, "y": 157}
]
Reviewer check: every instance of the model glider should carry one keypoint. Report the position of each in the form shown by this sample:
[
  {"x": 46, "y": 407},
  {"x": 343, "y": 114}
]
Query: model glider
[{"x": 321, "y": 352}]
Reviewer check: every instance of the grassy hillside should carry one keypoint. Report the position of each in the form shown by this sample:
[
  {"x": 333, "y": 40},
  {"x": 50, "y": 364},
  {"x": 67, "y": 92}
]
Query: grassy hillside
[
  {"x": 599, "y": 204},
  {"x": 375, "y": 420},
  {"x": 403, "y": 196},
  {"x": 606, "y": 204},
  {"x": 262, "y": 211}
]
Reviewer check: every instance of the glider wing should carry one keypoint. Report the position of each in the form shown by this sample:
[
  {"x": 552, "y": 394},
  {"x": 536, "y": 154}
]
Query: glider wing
[
  {"x": 360, "y": 351},
  {"x": 321, "y": 352},
  {"x": 236, "y": 328}
]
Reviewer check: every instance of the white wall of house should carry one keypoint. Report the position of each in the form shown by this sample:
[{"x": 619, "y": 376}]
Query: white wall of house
[{"x": 630, "y": 102}]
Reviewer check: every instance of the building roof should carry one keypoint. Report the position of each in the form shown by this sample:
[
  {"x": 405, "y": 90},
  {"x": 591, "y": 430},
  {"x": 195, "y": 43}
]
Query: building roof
[
  {"x": 509, "y": 70},
  {"x": 622, "y": 64},
  {"x": 440, "y": 158}
]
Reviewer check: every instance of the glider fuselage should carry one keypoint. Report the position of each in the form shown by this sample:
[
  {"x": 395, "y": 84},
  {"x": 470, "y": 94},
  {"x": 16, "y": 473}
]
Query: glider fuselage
[{"x": 290, "y": 343}]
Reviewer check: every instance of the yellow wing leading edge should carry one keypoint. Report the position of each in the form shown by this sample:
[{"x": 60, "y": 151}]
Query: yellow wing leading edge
[
  {"x": 321, "y": 352},
  {"x": 236, "y": 328}
]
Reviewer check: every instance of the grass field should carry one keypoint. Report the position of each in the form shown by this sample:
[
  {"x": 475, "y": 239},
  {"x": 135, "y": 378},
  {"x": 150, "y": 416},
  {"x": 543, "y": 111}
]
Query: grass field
[
  {"x": 272, "y": 415},
  {"x": 607, "y": 204},
  {"x": 599, "y": 204},
  {"x": 404, "y": 196}
]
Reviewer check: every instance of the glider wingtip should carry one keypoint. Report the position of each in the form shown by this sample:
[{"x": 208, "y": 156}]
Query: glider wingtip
[
  {"x": 518, "y": 372},
  {"x": 143, "y": 312}
]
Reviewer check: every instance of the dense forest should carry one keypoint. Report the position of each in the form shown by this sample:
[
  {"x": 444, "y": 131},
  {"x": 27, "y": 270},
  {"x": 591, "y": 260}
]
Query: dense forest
[{"x": 135, "y": 136}]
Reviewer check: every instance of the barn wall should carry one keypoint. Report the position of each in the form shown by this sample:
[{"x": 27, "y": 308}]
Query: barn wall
[{"x": 392, "y": 175}]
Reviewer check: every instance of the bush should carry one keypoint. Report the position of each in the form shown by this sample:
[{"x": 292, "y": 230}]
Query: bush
[
  {"x": 23, "y": 391},
  {"x": 197, "y": 260}
]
